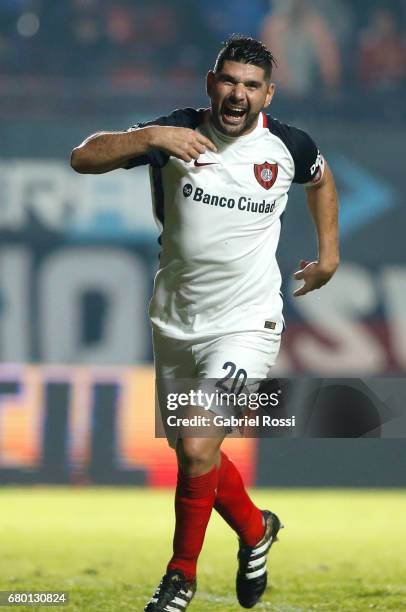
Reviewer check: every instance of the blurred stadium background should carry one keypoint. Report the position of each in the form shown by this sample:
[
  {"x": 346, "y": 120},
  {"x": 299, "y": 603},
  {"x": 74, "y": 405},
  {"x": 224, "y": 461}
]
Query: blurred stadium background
[{"x": 78, "y": 253}]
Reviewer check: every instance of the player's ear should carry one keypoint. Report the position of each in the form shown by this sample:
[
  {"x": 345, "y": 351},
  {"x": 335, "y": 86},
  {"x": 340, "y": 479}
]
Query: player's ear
[
  {"x": 211, "y": 77},
  {"x": 270, "y": 94}
]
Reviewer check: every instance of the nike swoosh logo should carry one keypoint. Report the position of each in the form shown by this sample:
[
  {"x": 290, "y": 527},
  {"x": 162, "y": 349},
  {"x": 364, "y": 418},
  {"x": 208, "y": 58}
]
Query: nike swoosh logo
[{"x": 199, "y": 165}]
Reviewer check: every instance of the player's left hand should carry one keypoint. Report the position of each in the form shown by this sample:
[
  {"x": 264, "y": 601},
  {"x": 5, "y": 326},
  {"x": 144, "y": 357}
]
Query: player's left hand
[{"x": 314, "y": 274}]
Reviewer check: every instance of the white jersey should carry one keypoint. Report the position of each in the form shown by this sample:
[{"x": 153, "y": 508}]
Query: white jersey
[{"x": 220, "y": 222}]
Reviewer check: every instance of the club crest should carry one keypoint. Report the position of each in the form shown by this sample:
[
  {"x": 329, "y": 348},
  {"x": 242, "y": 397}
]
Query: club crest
[{"x": 266, "y": 174}]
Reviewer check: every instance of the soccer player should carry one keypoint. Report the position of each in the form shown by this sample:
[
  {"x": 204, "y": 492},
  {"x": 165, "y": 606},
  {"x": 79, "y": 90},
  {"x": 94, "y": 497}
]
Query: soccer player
[{"x": 220, "y": 179}]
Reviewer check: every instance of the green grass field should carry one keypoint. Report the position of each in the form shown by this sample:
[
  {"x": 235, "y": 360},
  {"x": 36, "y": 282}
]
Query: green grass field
[{"x": 340, "y": 550}]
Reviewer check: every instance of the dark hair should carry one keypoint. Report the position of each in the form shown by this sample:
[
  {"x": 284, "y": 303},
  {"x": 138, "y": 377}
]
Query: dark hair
[{"x": 247, "y": 50}]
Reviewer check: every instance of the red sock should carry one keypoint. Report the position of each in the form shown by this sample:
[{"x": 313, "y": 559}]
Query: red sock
[
  {"x": 235, "y": 506},
  {"x": 194, "y": 501}
]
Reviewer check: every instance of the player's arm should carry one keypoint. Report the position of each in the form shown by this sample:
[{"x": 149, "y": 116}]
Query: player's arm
[
  {"x": 322, "y": 201},
  {"x": 106, "y": 151}
]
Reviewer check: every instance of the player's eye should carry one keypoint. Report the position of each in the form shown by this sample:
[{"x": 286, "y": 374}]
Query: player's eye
[{"x": 226, "y": 80}]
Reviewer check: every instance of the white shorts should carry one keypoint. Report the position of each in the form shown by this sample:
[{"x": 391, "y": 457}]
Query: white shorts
[{"x": 220, "y": 360}]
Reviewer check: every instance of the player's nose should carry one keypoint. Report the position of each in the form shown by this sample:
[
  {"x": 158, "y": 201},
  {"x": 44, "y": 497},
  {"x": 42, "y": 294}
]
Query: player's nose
[{"x": 238, "y": 92}]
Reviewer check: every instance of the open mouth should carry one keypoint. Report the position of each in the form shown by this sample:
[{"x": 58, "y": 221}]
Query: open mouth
[{"x": 233, "y": 115}]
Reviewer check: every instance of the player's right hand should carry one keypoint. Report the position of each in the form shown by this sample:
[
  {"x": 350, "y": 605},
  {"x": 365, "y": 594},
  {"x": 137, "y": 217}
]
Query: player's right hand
[{"x": 183, "y": 143}]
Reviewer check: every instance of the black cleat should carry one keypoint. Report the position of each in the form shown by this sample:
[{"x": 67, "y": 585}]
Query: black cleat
[
  {"x": 172, "y": 594},
  {"x": 252, "y": 573}
]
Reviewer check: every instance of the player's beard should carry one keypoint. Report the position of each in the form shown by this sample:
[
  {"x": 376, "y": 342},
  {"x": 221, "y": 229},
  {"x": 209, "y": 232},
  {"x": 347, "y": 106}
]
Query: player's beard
[{"x": 248, "y": 121}]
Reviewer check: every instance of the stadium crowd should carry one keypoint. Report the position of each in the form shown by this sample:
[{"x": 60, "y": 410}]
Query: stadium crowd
[{"x": 330, "y": 44}]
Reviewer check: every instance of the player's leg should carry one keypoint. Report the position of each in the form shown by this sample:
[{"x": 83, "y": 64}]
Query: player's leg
[
  {"x": 253, "y": 354},
  {"x": 173, "y": 362},
  {"x": 257, "y": 530},
  {"x": 194, "y": 500},
  {"x": 235, "y": 505},
  {"x": 196, "y": 484}
]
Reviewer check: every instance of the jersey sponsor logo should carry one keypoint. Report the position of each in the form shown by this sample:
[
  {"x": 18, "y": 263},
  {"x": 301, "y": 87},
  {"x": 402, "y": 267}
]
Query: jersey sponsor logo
[
  {"x": 243, "y": 203},
  {"x": 266, "y": 174},
  {"x": 317, "y": 169},
  {"x": 187, "y": 190}
]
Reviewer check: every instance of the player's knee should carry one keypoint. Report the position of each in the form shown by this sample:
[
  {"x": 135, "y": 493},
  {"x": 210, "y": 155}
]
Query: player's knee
[{"x": 195, "y": 456}]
